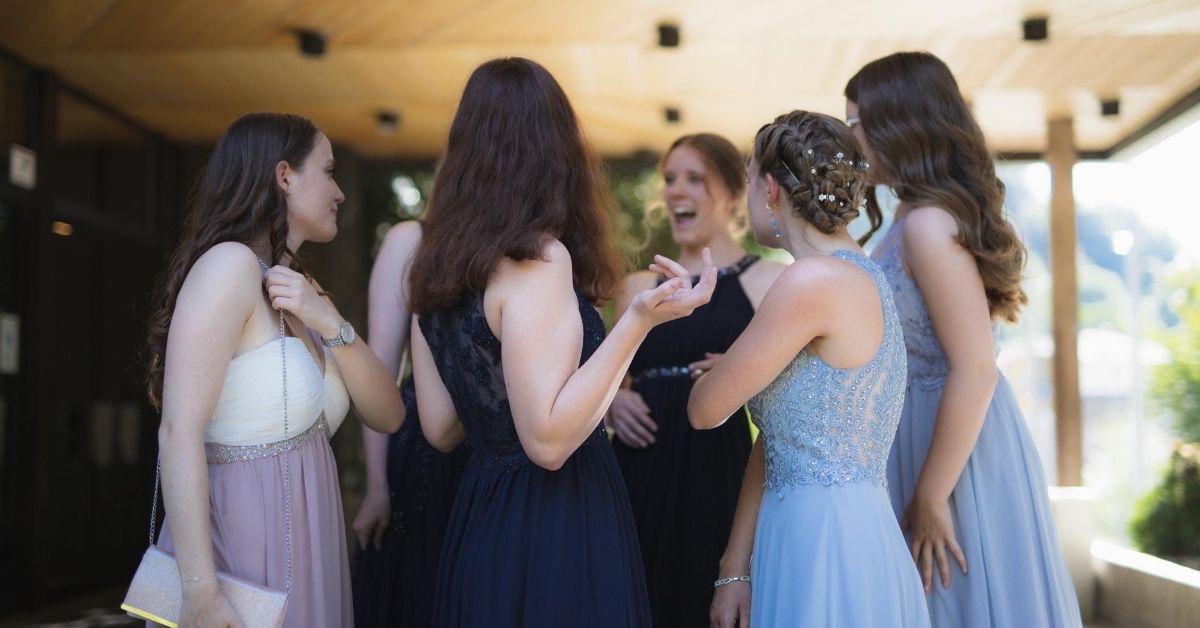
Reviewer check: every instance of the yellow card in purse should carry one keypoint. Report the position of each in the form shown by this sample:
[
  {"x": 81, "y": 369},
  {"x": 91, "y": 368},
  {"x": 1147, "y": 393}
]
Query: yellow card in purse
[{"x": 156, "y": 594}]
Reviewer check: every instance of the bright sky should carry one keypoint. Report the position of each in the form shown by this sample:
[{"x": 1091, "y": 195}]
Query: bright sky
[{"x": 1158, "y": 183}]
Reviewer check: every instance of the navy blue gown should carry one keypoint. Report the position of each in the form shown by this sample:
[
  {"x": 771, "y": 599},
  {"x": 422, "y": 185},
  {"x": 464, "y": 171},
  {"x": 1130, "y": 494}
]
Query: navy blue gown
[
  {"x": 393, "y": 585},
  {"x": 528, "y": 547}
]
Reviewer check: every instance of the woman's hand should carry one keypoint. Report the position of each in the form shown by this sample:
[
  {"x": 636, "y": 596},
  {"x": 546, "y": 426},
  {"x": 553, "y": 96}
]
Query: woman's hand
[
  {"x": 730, "y": 606},
  {"x": 932, "y": 536},
  {"x": 700, "y": 367},
  {"x": 676, "y": 297},
  {"x": 294, "y": 293},
  {"x": 205, "y": 607},
  {"x": 372, "y": 519},
  {"x": 629, "y": 416}
]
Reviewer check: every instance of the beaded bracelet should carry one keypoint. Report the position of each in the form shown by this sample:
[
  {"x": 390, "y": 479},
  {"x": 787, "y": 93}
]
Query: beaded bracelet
[{"x": 724, "y": 581}]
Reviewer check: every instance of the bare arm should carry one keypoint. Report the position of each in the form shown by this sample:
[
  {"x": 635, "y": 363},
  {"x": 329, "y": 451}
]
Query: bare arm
[
  {"x": 958, "y": 309},
  {"x": 216, "y": 299},
  {"x": 439, "y": 419},
  {"x": 371, "y": 386},
  {"x": 731, "y": 602},
  {"x": 557, "y": 403},
  {"x": 949, "y": 281},
  {"x": 628, "y": 415},
  {"x": 793, "y": 313},
  {"x": 387, "y": 330}
]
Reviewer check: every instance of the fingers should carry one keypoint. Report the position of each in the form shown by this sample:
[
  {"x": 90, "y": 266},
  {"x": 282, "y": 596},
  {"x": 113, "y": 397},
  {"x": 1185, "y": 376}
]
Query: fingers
[
  {"x": 633, "y": 430},
  {"x": 671, "y": 268},
  {"x": 926, "y": 566},
  {"x": 958, "y": 554},
  {"x": 380, "y": 528},
  {"x": 744, "y": 615},
  {"x": 360, "y": 532},
  {"x": 640, "y": 403},
  {"x": 943, "y": 566}
]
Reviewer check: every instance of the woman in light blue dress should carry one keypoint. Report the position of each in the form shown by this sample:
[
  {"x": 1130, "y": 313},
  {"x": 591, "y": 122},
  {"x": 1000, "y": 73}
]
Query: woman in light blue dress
[
  {"x": 964, "y": 476},
  {"x": 822, "y": 365}
]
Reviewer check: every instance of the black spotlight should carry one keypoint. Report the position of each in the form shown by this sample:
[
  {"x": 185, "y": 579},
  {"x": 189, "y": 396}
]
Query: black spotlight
[
  {"x": 672, "y": 115},
  {"x": 386, "y": 122},
  {"x": 668, "y": 35},
  {"x": 1110, "y": 107},
  {"x": 1036, "y": 29},
  {"x": 312, "y": 43}
]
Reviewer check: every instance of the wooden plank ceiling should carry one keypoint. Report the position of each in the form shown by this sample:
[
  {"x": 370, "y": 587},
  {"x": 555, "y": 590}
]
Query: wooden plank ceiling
[{"x": 186, "y": 68}]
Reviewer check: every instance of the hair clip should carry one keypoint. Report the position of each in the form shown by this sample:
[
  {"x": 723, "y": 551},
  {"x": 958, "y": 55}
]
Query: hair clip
[
  {"x": 839, "y": 156},
  {"x": 820, "y": 197},
  {"x": 813, "y": 170}
]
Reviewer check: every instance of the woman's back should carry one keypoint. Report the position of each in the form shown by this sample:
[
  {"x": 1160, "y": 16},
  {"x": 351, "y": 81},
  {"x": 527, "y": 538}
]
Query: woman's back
[{"x": 563, "y": 539}]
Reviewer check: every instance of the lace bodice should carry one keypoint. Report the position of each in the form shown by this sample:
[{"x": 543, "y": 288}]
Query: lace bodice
[
  {"x": 467, "y": 355},
  {"x": 825, "y": 425},
  {"x": 927, "y": 364}
]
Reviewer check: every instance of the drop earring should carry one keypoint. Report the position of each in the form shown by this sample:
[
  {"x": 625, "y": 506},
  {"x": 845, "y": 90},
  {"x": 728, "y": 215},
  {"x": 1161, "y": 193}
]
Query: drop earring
[{"x": 775, "y": 225}]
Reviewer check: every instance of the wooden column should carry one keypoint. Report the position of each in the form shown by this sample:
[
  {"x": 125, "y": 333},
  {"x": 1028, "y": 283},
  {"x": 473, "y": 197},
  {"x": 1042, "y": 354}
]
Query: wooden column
[{"x": 1061, "y": 156}]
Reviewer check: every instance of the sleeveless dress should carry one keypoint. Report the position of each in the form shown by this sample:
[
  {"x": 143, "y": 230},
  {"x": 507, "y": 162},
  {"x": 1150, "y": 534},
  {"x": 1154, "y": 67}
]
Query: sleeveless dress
[
  {"x": 684, "y": 488},
  {"x": 1016, "y": 575},
  {"x": 245, "y": 447},
  {"x": 827, "y": 548},
  {"x": 525, "y": 546},
  {"x": 393, "y": 586}
]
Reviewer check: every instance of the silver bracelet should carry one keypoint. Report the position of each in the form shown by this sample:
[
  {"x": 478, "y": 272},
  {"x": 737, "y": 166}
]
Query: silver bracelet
[{"x": 724, "y": 581}]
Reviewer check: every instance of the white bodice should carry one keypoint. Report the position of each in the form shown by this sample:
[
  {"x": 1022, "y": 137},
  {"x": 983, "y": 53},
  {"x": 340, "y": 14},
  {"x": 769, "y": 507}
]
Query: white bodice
[{"x": 250, "y": 410}]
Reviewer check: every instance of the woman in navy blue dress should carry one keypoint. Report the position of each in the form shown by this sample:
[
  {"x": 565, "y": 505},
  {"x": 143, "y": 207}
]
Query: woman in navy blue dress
[{"x": 510, "y": 354}]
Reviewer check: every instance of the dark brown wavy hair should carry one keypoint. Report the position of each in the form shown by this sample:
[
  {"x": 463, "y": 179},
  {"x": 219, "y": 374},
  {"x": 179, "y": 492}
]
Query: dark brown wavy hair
[
  {"x": 516, "y": 169},
  {"x": 236, "y": 199},
  {"x": 818, "y": 163},
  {"x": 930, "y": 150}
]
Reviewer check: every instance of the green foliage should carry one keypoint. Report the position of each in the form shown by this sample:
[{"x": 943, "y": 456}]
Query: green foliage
[
  {"x": 1176, "y": 385},
  {"x": 1166, "y": 521}
]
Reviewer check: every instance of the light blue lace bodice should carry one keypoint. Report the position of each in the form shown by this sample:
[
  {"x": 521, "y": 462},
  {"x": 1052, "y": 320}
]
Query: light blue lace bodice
[
  {"x": 824, "y": 425},
  {"x": 927, "y": 364}
]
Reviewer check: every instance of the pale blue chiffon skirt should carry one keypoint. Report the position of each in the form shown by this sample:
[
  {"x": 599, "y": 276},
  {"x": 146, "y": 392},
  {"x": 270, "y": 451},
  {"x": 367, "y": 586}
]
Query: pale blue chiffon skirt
[
  {"x": 832, "y": 556},
  {"x": 1016, "y": 575}
]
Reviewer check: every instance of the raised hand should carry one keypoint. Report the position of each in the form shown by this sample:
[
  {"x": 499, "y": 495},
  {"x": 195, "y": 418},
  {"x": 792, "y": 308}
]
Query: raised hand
[
  {"x": 292, "y": 292},
  {"x": 676, "y": 297}
]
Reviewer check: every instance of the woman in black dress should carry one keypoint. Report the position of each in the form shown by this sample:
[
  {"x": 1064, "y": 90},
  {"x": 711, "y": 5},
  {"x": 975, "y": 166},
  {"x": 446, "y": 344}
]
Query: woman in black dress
[
  {"x": 410, "y": 485},
  {"x": 683, "y": 483},
  {"x": 510, "y": 353}
]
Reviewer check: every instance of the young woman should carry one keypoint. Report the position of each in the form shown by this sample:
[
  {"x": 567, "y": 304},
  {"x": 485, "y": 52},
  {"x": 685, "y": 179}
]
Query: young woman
[
  {"x": 410, "y": 485},
  {"x": 241, "y": 467},
  {"x": 683, "y": 483},
  {"x": 964, "y": 476},
  {"x": 510, "y": 353},
  {"x": 821, "y": 367}
]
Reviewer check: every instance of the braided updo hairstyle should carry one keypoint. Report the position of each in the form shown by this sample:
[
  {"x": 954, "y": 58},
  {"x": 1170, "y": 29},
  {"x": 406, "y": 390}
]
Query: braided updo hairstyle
[{"x": 819, "y": 166}]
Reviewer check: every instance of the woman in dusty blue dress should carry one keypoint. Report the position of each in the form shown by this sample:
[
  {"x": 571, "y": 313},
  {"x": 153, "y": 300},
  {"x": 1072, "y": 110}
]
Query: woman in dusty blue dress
[
  {"x": 822, "y": 367},
  {"x": 964, "y": 476}
]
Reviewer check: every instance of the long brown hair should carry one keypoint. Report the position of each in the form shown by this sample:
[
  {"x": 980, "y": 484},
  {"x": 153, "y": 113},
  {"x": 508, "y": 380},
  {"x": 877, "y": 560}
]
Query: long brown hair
[
  {"x": 236, "y": 199},
  {"x": 516, "y": 169},
  {"x": 931, "y": 151}
]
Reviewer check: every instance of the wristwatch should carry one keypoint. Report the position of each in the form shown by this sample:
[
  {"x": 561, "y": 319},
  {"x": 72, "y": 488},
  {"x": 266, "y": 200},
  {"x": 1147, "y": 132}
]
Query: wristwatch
[{"x": 345, "y": 336}]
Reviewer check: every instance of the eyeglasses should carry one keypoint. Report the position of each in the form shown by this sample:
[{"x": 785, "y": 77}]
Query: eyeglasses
[{"x": 853, "y": 121}]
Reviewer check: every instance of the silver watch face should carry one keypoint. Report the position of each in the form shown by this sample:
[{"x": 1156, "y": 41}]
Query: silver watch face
[{"x": 346, "y": 333}]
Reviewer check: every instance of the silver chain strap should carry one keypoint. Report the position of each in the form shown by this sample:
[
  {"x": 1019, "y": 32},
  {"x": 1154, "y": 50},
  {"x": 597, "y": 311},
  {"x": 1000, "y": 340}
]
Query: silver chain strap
[{"x": 287, "y": 466}]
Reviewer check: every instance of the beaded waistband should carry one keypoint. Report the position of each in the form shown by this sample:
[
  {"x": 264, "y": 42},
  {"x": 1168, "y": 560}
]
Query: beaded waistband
[
  {"x": 663, "y": 371},
  {"x": 217, "y": 453}
]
